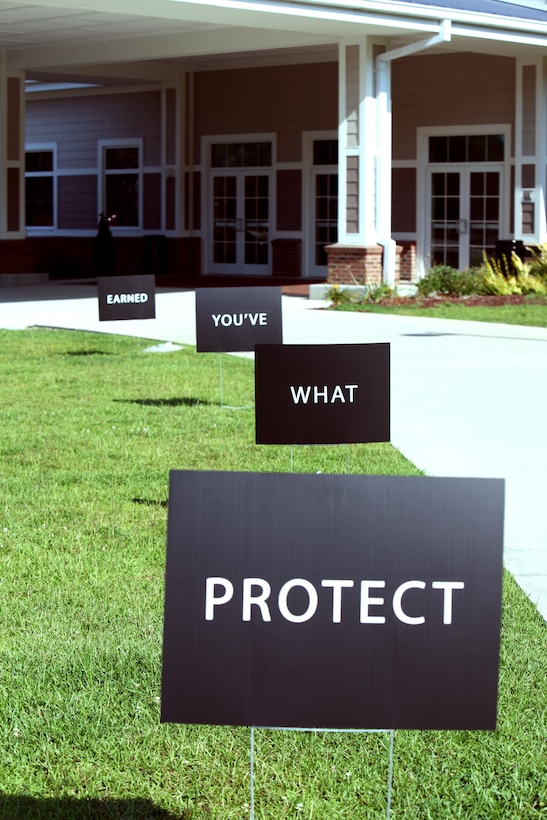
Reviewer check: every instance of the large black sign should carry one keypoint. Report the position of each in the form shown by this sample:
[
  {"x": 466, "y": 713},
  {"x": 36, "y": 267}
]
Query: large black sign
[
  {"x": 322, "y": 394},
  {"x": 332, "y": 601},
  {"x": 126, "y": 297},
  {"x": 236, "y": 319}
]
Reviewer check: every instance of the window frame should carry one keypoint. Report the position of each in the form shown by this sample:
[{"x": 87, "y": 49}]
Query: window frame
[
  {"x": 103, "y": 146},
  {"x": 37, "y": 148}
]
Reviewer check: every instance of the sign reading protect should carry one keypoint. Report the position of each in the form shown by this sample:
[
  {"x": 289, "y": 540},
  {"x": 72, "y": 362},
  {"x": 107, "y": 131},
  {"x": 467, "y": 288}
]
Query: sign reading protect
[
  {"x": 126, "y": 297},
  {"x": 237, "y": 319},
  {"x": 332, "y": 601}
]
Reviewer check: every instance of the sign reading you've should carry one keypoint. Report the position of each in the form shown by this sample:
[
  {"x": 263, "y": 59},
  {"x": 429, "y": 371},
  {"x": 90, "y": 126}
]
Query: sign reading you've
[
  {"x": 236, "y": 319},
  {"x": 332, "y": 601},
  {"x": 322, "y": 394},
  {"x": 126, "y": 297}
]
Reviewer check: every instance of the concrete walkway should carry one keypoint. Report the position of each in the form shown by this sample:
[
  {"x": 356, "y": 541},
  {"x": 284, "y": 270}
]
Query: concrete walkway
[{"x": 468, "y": 398}]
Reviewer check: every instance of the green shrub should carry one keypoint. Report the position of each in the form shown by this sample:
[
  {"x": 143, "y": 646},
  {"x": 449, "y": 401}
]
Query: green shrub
[
  {"x": 339, "y": 295},
  {"x": 377, "y": 293},
  {"x": 538, "y": 265},
  {"x": 448, "y": 281},
  {"x": 503, "y": 278}
]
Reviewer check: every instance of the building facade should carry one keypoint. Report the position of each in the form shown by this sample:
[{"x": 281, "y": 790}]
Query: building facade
[{"x": 354, "y": 145}]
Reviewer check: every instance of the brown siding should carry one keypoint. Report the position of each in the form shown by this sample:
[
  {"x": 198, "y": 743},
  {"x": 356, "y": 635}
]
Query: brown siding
[
  {"x": 151, "y": 202},
  {"x": 284, "y": 99},
  {"x": 451, "y": 89},
  {"x": 76, "y": 124},
  {"x": 289, "y": 200},
  {"x": 77, "y": 202},
  {"x": 14, "y": 118},
  {"x": 404, "y": 200},
  {"x": 13, "y": 199}
]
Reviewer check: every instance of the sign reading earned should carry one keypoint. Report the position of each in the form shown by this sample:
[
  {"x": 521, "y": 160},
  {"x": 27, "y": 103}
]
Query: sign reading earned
[
  {"x": 322, "y": 394},
  {"x": 126, "y": 297},
  {"x": 236, "y": 319},
  {"x": 332, "y": 601}
]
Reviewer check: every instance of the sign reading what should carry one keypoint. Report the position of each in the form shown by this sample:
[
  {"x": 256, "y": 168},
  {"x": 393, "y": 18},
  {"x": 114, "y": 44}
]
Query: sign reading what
[
  {"x": 332, "y": 601},
  {"x": 322, "y": 394},
  {"x": 127, "y": 297},
  {"x": 236, "y": 319}
]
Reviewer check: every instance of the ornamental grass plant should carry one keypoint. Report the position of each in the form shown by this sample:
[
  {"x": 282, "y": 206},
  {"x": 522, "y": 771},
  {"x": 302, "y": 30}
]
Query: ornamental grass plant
[{"x": 90, "y": 427}]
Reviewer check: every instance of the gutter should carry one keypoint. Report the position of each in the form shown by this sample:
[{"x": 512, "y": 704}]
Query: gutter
[{"x": 384, "y": 139}]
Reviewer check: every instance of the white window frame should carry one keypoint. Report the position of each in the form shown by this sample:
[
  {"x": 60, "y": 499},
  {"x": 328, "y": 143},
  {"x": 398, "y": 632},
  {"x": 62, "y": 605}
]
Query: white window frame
[
  {"x": 102, "y": 146},
  {"x": 308, "y": 195},
  {"x": 206, "y": 168},
  {"x": 37, "y": 147},
  {"x": 422, "y": 153}
]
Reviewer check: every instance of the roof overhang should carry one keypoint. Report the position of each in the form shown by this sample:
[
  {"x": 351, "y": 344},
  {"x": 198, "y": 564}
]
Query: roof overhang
[{"x": 94, "y": 39}]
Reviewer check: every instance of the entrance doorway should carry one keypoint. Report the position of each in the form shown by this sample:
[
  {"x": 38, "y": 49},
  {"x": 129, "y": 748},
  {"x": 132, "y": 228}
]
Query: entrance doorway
[
  {"x": 240, "y": 208},
  {"x": 464, "y": 214}
]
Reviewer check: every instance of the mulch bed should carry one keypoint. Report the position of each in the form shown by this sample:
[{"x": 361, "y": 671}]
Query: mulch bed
[{"x": 470, "y": 301}]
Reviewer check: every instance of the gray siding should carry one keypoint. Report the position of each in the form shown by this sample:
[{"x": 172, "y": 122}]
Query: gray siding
[{"x": 76, "y": 124}]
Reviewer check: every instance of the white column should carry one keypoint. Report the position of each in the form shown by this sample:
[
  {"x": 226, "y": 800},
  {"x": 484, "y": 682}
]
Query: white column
[
  {"x": 530, "y": 152},
  {"x": 175, "y": 150},
  {"x": 12, "y": 152},
  {"x": 356, "y": 145}
]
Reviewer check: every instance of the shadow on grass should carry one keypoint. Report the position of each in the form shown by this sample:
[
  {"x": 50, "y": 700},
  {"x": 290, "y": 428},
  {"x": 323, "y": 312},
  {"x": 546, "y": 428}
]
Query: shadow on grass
[
  {"x": 149, "y": 502},
  {"x": 22, "y": 807},
  {"x": 87, "y": 353},
  {"x": 184, "y": 401}
]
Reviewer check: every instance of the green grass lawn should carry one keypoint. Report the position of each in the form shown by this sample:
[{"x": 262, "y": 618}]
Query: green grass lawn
[
  {"x": 89, "y": 431},
  {"x": 532, "y": 313}
]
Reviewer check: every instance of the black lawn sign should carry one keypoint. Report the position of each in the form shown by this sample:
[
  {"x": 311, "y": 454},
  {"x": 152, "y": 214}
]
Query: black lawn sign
[
  {"x": 332, "y": 601},
  {"x": 236, "y": 319},
  {"x": 126, "y": 297},
  {"x": 322, "y": 394}
]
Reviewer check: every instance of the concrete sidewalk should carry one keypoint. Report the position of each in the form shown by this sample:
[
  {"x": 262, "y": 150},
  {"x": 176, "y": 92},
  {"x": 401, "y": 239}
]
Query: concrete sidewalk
[{"x": 468, "y": 398}]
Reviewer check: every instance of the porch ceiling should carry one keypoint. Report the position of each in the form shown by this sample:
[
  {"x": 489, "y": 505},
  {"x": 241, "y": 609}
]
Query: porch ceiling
[{"x": 144, "y": 40}]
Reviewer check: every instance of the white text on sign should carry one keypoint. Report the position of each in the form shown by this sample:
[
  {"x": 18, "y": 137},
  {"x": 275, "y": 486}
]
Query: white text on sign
[
  {"x": 238, "y": 319},
  {"x": 126, "y": 298},
  {"x": 316, "y": 394},
  {"x": 256, "y": 592}
]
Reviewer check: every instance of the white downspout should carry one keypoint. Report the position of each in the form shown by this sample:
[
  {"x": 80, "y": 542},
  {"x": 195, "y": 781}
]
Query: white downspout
[{"x": 384, "y": 140}]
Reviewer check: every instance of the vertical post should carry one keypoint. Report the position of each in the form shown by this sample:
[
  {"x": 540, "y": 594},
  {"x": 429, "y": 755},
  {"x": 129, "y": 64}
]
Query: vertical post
[
  {"x": 357, "y": 145},
  {"x": 220, "y": 378},
  {"x": 252, "y": 772},
  {"x": 12, "y": 152},
  {"x": 390, "y": 773}
]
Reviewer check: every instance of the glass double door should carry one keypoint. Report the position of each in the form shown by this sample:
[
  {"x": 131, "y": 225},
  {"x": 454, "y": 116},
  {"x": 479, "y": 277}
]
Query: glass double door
[
  {"x": 465, "y": 214},
  {"x": 240, "y": 226}
]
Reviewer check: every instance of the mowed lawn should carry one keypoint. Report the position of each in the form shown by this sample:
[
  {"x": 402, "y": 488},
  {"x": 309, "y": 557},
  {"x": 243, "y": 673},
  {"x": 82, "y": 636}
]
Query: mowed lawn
[
  {"x": 532, "y": 312},
  {"x": 90, "y": 427}
]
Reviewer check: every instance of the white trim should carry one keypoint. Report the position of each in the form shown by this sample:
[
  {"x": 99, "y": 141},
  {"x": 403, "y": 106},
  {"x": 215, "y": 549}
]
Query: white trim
[
  {"x": 541, "y": 149},
  {"x": 102, "y": 146},
  {"x": 90, "y": 91},
  {"x": 206, "y": 195},
  {"x": 422, "y": 205},
  {"x": 538, "y": 159},
  {"x": 308, "y": 197},
  {"x": 35, "y": 147}
]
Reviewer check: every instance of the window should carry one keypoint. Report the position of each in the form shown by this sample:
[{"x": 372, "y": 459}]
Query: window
[
  {"x": 39, "y": 188},
  {"x": 122, "y": 185},
  {"x": 467, "y": 148},
  {"x": 241, "y": 155}
]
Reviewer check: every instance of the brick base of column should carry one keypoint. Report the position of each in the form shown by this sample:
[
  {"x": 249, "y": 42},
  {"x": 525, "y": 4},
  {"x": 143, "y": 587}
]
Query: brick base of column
[
  {"x": 407, "y": 261},
  {"x": 354, "y": 264}
]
